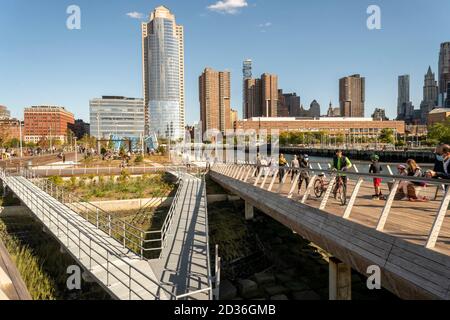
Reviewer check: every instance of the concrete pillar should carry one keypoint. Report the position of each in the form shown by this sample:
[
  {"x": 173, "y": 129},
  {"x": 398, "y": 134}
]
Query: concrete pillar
[
  {"x": 340, "y": 280},
  {"x": 249, "y": 211}
]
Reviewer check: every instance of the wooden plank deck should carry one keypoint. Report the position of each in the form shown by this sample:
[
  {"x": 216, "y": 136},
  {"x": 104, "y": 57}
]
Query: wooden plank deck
[
  {"x": 409, "y": 270},
  {"x": 411, "y": 221}
]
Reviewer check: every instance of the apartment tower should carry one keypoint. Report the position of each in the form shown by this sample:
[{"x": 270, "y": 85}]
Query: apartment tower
[
  {"x": 163, "y": 75},
  {"x": 214, "y": 96},
  {"x": 352, "y": 96}
]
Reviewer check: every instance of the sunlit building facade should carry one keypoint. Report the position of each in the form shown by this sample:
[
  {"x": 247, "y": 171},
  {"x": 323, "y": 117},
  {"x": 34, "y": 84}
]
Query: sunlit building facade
[{"x": 163, "y": 75}]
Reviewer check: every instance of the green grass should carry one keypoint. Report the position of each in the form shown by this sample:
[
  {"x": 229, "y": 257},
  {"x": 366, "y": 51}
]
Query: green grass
[
  {"x": 41, "y": 264},
  {"x": 147, "y": 186}
]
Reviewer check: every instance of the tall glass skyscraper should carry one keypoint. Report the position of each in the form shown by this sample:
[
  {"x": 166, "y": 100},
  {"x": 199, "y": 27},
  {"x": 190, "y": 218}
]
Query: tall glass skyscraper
[{"x": 163, "y": 75}]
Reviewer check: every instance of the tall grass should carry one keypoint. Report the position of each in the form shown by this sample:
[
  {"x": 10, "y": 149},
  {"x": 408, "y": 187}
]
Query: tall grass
[{"x": 39, "y": 284}]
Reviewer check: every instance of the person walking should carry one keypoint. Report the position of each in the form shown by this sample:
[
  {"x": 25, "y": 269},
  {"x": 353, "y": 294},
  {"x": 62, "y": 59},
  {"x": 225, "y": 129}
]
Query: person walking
[
  {"x": 282, "y": 163},
  {"x": 304, "y": 172},
  {"x": 295, "y": 164}
]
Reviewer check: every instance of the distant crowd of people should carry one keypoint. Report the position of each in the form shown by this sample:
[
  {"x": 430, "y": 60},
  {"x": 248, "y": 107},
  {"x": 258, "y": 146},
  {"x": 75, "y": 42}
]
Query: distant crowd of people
[{"x": 408, "y": 190}]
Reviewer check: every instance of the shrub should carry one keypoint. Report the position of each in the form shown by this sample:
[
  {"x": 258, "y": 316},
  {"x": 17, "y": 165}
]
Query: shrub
[
  {"x": 57, "y": 180},
  {"x": 139, "y": 159}
]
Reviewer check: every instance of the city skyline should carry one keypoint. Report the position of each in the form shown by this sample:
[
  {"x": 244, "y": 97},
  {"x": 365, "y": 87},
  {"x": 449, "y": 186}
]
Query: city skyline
[{"x": 297, "y": 70}]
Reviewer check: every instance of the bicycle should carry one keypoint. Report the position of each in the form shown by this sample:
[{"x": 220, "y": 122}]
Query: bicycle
[{"x": 340, "y": 191}]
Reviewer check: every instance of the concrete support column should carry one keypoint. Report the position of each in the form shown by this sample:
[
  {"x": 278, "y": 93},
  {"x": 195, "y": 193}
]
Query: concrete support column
[
  {"x": 340, "y": 280},
  {"x": 249, "y": 211}
]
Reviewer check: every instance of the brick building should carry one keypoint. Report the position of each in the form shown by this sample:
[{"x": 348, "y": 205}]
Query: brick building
[
  {"x": 333, "y": 126},
  {"x": 45, "y": 122}
]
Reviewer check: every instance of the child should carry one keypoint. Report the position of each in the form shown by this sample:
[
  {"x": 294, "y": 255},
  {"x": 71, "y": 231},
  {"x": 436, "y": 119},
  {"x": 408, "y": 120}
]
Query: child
[{"x": 375, "y": 168}]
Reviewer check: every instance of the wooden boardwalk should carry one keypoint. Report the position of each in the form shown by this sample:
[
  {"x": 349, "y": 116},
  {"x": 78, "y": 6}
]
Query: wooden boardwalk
[{"x": 409, "y": 269}]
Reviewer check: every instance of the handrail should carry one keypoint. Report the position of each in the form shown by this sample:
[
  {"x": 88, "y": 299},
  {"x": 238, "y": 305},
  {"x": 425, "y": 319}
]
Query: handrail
[
  {"x": 357, "y": 174},
  {"x": 230, "y": 170},
  {"x": 48, "y": 214}
]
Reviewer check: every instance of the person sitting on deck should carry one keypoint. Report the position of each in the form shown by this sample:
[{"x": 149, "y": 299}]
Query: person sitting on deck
[
  {"x": 445, "y": 169},
  {"x": 412, "y": 189}
]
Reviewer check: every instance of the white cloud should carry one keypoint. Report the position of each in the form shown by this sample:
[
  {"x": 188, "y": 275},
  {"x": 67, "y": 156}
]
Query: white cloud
[
  {"x": 265, "y": 25},
  {"x": 135, "y": 15},
  {"x": 228, "y": 6}
]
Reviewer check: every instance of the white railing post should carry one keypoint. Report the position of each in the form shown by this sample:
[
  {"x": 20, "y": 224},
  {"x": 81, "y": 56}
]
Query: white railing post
[
  {"x": 308, "y": 189},
  {"x": 275, "y": 175},
  {"x": 351, "y": 203},
  {"x": 387, "y": 206},
  {"x": 259, "y": 177},
  {"x": 294, "y": 184},
  {"x": 330, "y": 188},
  {"x": 283, "y": 180},
  {"x": 437, "y": 225}
]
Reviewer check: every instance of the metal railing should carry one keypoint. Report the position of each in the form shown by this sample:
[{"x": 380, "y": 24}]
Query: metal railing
[
  {"x": 79, "y": 170},
  {"x": 243, "y": 172},
  {"x": 61, "y": 225},
  {"x": 135, "y": 239},
  {"x": 101, "y": 218}
]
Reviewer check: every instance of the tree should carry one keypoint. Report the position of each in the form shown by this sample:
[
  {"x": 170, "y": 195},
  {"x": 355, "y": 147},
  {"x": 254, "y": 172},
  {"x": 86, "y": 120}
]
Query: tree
[
  {"x": 440, "y": 131},
  {"x": 387, "y": 136}
]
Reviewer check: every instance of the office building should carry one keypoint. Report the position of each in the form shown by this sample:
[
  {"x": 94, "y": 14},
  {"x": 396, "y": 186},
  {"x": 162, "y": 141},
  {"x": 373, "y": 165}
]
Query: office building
[
  {"x": 332, "y": 126},
  {"x": 234, "y": 117},
  {"x": 47, "y": 123},
  {"x": 247, "y": 74},
  {"x": 314, "y": 109},
  {"x": 444, "y": 74},
  {"x": 5, "y": 114},
  {"x": 379, "y": 115},
  {"x": 163, "y": 75},
  {"x": 253, "y": 105},
  {"x": 352, "y": 96},
  {"x": 403, "y": 99},
  {"x": 283, "y": 108},
  {"x": 80, "y": 128},
  {"x": 214, "y": 96},
  {"x": 438, "y": 115},
  {"x": 289, "y": 104},
  {"x": 262, "y": 96},
  {"x": 430, "y": 95},
  {"x": 118, "y": 117},
  {"x": 269, "y": 88}
]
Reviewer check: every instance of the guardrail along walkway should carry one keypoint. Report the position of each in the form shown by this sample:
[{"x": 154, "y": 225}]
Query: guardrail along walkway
[
  {"x": 184, "y": 265},
  {"x": 121, "y": 272}
]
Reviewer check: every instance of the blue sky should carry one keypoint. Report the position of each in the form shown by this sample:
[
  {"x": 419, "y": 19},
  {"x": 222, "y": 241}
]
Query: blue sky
[{"x": 309, "y": 44}]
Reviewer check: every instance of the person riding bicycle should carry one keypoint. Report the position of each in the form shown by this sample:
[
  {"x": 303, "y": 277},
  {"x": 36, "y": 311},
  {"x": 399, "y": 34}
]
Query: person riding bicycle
[{"x": 341, "y": 164}]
